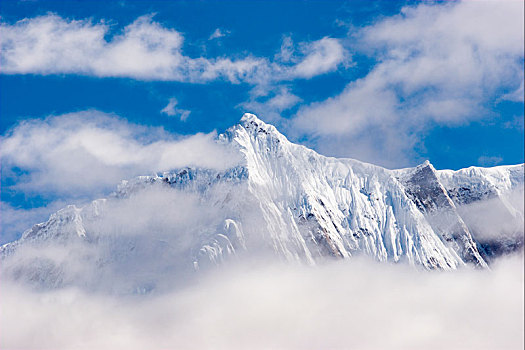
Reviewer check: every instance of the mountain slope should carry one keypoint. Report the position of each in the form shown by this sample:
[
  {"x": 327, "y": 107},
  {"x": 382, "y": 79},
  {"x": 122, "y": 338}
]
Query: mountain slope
[{"x": 283, "y": 200}]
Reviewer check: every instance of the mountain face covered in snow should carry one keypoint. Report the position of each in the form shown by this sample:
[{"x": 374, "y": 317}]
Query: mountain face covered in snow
[{"x": 282, "y": 200}]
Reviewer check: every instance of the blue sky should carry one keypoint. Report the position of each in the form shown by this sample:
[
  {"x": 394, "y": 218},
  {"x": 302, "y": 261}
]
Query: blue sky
[{"x": 387, "y": 82}]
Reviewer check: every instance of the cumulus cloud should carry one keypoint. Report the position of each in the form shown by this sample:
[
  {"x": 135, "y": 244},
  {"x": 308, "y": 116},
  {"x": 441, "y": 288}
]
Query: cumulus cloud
[
  {"x": 50, "y": 44},
  {"x": 321, "y": 56},
  {"x": 283, "y": 100},
  {"x": 358, "y": 304},
  {"x": 86, "y": 152},
  {"x": 143, "y": 50},
  {"x": 437, "y": 64},
  {"x": 171, "y": 111}
]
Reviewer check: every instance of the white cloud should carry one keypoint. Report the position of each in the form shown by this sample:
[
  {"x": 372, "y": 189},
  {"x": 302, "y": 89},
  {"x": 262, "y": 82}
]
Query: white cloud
[
  {"x": 357, "y": 303},
  {"x": 90, "y": 151},
  {"x": 171, "y": 111},
  {"x": 218, "y": 33},
  {"x": 143, "y": 50},
  {"x": 517, "y": 95},
  {"x": 489, "y": 160},
  {"x": 280, "y": 99},
  {"x": 170, "y": 107},
  {"x": 271, "y": 97},
  {"x": 437, "y": 64},
  {"x": 283, "y": 100},
  {"x": 320, "y": 57},
  {"x": 50, "y": 44},
  {"x": 517, "y": 122},
  {"x": 287, "y": 50}
]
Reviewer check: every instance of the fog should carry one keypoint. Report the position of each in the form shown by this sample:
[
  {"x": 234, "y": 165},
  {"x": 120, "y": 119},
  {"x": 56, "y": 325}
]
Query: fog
[
  {"x": 245, "y": 303},
  {"x": 132, "y": 285},
  {"x": 357, "y": 304},
  {"x": 148, "y": 239},
  {"x": 496, "y": 217}
]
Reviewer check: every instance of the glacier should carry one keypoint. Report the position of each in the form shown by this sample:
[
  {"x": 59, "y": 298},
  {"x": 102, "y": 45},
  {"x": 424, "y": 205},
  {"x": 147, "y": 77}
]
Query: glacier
[{"x": 282, "y": 201}]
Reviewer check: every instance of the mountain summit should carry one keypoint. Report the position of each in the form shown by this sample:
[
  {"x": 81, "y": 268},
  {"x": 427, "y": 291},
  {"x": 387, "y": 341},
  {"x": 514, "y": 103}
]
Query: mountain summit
[{"x": 282, "y": 200}]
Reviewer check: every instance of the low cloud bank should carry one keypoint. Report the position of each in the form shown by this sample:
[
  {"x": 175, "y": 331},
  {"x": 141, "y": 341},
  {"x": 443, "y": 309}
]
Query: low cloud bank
[
  {"x": 496, "y": 218},
  {"x": 90, "y": 151},
  {"x": 357, "y": 304},
  {"x": 148, "y": 239},
  {"x": 146, "y": 295}
]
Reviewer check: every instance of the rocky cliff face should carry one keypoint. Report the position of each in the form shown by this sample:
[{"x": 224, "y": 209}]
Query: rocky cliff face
[{"x": 283, "y": 200}]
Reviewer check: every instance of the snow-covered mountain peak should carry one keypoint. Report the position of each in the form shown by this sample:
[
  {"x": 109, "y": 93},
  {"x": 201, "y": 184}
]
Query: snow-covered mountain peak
[
  {"x": 426, "y": 164},
  {"x": 256, "y": 128},
  {"x": 425, "y": 167},
  {"x": 251, "y": 119}
]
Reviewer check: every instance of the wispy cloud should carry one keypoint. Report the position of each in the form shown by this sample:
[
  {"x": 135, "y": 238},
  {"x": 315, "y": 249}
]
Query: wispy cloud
[
  {"x": 218, "y": 33},
  {"x": 274, "y": 101},
  {"x": 304, "y": 60},
  {"x": 437, "y": 64},
  {"x": 144, "y": 50},
  {"x": 171, "y": 111},
  {"x": 287, "y": 49},
  {"x": 489, "y": 160},
  {"x": 498, "y": 218}
]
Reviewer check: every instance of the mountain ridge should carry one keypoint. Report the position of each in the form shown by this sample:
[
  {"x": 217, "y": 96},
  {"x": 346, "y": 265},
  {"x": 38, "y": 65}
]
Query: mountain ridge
[{"x": 288, "y": 200}]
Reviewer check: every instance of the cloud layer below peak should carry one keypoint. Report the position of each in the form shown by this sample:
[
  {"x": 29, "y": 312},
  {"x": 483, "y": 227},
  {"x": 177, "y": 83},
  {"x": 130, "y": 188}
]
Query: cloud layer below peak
[{"x": 361, "y": 303}]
